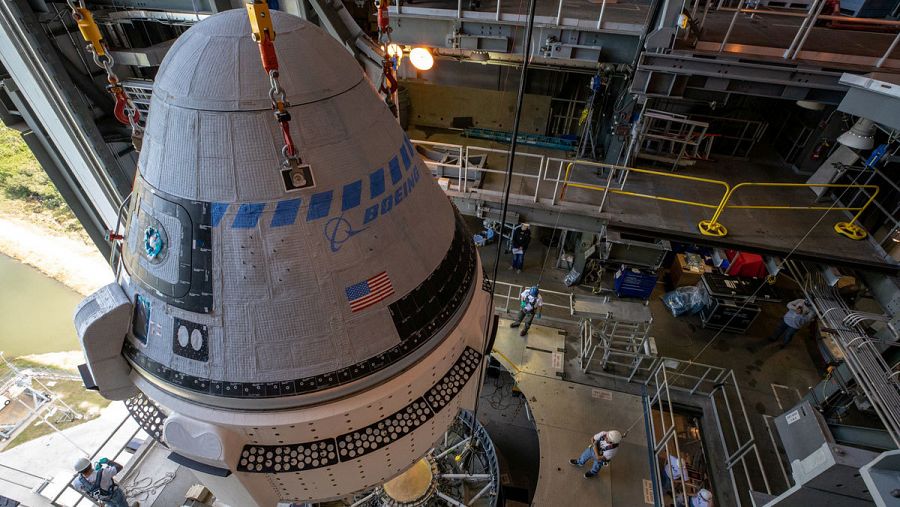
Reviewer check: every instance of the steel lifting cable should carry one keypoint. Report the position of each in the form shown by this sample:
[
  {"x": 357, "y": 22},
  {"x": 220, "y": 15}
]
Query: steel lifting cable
[
  {"x": 488, "y": 338},
  {"x": 263, "y": 33},
  {"x": 125, "y": 111}
]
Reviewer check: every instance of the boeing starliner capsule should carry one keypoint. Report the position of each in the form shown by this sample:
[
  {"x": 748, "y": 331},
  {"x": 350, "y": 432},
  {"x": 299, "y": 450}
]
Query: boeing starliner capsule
[{"x": 289, "y": 339}]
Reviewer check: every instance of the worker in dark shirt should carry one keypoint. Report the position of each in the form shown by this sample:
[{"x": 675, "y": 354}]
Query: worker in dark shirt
[{"x": 520, "y": 240}]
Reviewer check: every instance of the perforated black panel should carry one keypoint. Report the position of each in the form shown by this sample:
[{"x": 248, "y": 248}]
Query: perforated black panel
[
  {"x": 350, "y": 446},
  {"x": 288, "y": 458},
  {"x": 148, "y": 415}
]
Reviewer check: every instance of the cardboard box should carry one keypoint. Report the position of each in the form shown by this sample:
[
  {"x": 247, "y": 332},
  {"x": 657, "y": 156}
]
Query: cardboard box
[{"x": 683, "y": 275}]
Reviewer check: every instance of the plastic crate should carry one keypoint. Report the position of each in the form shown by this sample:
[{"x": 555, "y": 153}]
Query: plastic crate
[{"x": 634, "y": 283}]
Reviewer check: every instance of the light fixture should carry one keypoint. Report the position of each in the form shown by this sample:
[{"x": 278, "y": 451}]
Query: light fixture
[
  {"x": 394, "y": 50},
  {"x": 834, "y": 277},
  {"x": 811, "y": 105},
  {"x": 421, "y": 58},
  {"x": 861, "y": 135}
]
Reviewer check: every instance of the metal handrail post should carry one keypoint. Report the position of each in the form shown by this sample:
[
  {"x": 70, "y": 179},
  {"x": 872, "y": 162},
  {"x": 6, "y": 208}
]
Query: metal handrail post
[
  {"x": 730, "y": 26},
  {"x": 887, "y": 53},
  {"x": 459, "y": 168},
  {"x": 722, "y": 439},
  {"x": 498, "y": 10},
  {"x": 559, "y": 13},
  {"x": 800, "y": 30},
  {"x": 459, "y": 9},
  {"x": 701, "y": 379},
  {"x": 602, "y": 10},
  {"x": 466, "y": 178},
  {"x": 558, "y": 178},
  {"x": 537, "y": 184},
  {"x": 809, "y": 28},
  {"x": 606, "y": 192}
]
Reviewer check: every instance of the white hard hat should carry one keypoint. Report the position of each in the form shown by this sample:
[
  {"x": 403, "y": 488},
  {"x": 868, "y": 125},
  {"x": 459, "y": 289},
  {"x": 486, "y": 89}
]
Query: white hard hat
[
  {"x": 81, "y": 464},
  {"x": 705, "y": 494},
  {"x": 613, "y": 437}
]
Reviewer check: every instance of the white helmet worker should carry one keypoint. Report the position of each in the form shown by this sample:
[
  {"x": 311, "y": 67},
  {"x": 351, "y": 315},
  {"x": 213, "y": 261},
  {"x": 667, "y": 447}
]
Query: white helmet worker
[
  {"x": 705, "y": 494},
  {"x": 613, "y": 437},
  {"x": 81, "y": 464}
]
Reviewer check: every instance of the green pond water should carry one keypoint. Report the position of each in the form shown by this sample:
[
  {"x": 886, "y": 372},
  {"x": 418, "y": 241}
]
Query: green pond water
[{"x": 35, "y": 311}]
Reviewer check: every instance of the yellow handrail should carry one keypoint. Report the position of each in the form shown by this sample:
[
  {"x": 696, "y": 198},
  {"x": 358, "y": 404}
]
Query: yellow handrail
[
  {"x": 851, "y": 229},
  {"x": 600, "y": 188},
  {"x": 713, "y": 227}
]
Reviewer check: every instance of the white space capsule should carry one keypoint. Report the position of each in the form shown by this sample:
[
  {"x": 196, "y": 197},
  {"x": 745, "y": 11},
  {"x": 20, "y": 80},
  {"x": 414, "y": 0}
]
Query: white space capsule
[{"x": 287, "y": 343}]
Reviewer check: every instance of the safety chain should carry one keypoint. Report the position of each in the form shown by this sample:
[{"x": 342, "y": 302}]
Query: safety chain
[
  {"x": 264, "y": 34},
  {"x": 125, "y": 111},
  {"x": 391, "y": 60}
]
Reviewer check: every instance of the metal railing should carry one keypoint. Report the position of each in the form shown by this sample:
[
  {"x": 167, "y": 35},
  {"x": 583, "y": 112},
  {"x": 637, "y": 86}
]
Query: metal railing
[
  {"x": 742, "y": 459},
  {"x": 528, "y": 172},
  {"x": 539, "y": 171},
  {"x": 508, "y": 294},
  {"x": 563, "y": 17},
  {"x": 811, "y": 16},
  {"x": 606, "y": 189},
  {"x": 851, "y": 229}
]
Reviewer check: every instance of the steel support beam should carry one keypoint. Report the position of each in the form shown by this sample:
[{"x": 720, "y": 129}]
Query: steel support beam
[
  {"x": 669, "y": 74},
  {"x": 53, "y": 109}
]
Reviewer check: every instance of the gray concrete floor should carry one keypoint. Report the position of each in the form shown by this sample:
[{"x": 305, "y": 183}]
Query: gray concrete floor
[{"x": 771, "y": 379}]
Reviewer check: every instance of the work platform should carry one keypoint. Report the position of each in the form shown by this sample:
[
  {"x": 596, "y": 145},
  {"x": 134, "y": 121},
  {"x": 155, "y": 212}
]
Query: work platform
[
  {"x": 537, "y": 192},
  {"x": 566, "y": 416},
  {"x": 770, "y": 33}
]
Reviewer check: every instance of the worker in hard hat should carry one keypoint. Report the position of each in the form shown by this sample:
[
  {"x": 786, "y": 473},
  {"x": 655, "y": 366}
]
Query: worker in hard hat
[
  {"x": 603, "y": 449},
  {"x": 96, "y": 482},
  {"x": 673, "y": 471},
  {"x": 530, "y": 303},
  {"x": 703, "y": 498}
]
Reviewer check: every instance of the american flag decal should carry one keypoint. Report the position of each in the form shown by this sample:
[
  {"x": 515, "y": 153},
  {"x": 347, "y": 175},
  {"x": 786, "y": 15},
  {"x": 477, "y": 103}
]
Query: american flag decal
[{"x": 365, "y": 294}]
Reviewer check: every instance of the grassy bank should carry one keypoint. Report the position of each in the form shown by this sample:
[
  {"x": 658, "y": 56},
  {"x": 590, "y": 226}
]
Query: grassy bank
[{"x": 25, "y": 188}]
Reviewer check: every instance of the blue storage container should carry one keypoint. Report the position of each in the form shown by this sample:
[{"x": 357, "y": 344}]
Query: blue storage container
[{"x": 634, "y": 283}]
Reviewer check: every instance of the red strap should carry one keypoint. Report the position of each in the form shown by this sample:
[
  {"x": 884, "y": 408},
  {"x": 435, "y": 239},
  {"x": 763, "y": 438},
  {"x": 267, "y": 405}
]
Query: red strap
[
  {"x": 384, "y": 22},
  {"x": 267, "y": 55},
  {"x": 288, "y": 140}
]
